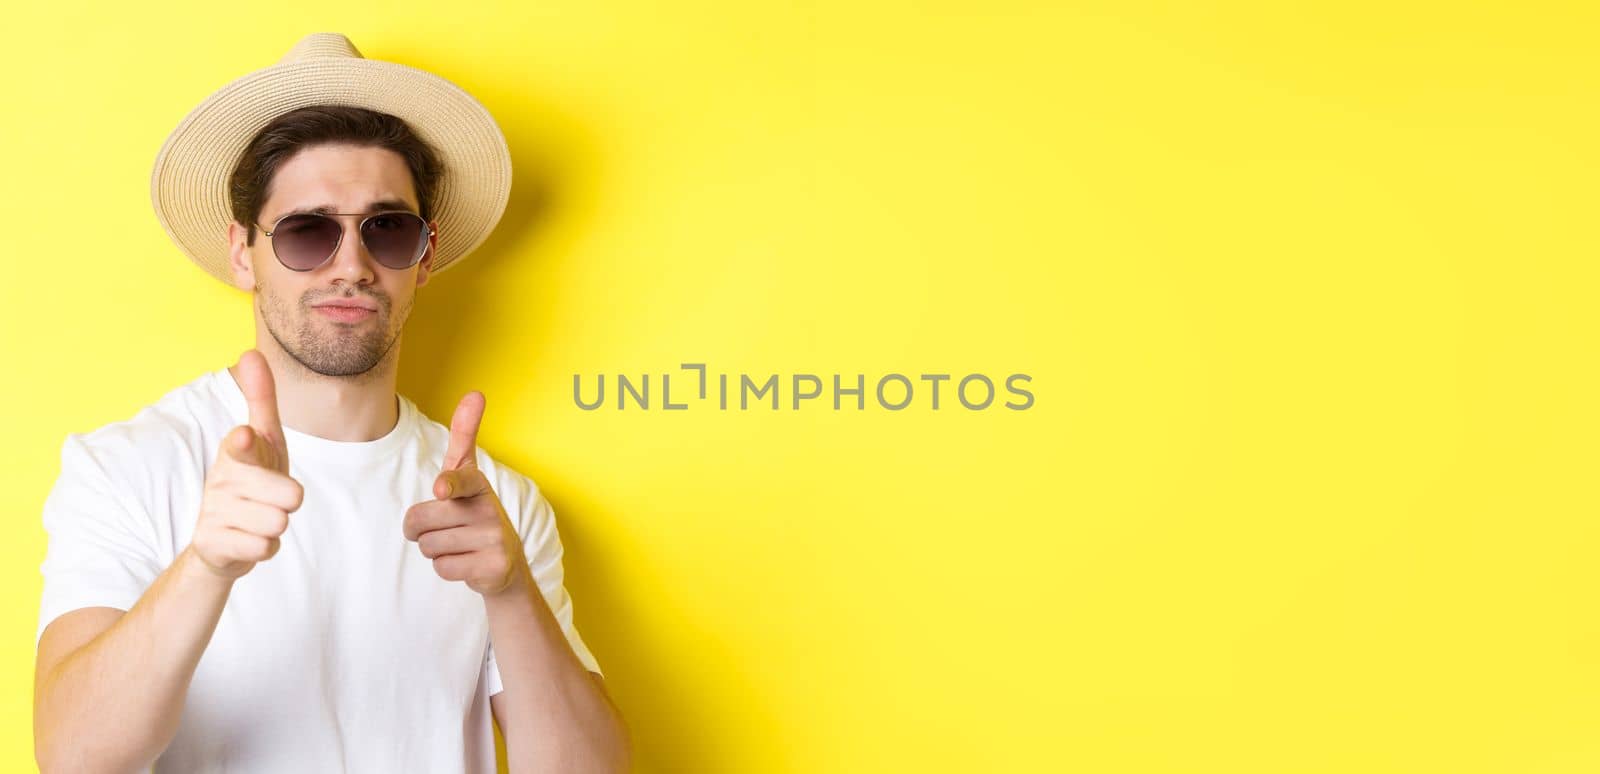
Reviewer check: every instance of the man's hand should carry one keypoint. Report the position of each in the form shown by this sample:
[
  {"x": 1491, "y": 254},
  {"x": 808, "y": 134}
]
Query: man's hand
[
  {"x": 466, "y": 531},
  {"x": 248, "y": 492}
]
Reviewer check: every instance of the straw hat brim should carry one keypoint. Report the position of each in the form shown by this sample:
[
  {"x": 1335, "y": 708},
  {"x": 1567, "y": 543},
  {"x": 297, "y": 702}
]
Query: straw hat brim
[{"x": 189, "y": 184}]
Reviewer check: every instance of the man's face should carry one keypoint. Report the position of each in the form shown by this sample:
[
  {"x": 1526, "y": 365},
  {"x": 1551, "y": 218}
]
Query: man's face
[{"x": 345, "y": 179}]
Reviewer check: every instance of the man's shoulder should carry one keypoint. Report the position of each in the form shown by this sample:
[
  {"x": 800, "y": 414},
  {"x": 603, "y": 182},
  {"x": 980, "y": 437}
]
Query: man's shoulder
[
  {"x": 517, "y": 492},
  {"x": 172, "y": 427}
]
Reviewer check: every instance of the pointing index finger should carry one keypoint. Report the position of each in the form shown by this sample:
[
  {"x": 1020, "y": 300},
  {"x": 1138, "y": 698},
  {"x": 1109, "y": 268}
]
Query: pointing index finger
[
  {"x": 260, "y": 394},
  {"x": 462, "y": 451}
]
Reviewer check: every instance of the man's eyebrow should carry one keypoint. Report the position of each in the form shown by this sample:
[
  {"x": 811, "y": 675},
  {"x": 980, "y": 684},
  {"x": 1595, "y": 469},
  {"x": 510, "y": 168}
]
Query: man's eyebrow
[{"x": 381, "y": 205}]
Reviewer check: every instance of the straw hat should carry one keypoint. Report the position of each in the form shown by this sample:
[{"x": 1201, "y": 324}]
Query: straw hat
[{"x": 189, "y": 184}]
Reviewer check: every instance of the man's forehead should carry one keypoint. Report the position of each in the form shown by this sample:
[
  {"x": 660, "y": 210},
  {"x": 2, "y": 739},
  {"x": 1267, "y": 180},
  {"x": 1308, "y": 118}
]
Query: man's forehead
[
  {"x": 387, "y": 203},
  {"x": 336, "y": 178}
]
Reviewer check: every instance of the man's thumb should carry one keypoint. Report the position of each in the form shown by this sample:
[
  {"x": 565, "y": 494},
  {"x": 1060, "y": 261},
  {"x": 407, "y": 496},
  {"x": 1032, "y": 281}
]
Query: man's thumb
[{"x": 239, "y": 443}]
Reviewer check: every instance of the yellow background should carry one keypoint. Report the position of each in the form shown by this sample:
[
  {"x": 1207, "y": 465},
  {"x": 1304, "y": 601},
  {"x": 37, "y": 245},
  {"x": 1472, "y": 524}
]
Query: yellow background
[{"x": 1305, "y": 293}]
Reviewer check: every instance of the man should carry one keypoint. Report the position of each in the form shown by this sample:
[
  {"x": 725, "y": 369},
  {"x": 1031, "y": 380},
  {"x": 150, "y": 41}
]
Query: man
[{"x": 282, "y": 565}]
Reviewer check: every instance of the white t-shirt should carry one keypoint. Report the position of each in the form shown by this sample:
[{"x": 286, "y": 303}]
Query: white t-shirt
[{"x": 343, "y": 652}]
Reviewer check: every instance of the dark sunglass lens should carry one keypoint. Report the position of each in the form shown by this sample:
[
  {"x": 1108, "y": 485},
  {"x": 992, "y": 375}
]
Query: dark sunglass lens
[
  {"x": 395, "y": 239},
  {"x": 303, "y": 242}
]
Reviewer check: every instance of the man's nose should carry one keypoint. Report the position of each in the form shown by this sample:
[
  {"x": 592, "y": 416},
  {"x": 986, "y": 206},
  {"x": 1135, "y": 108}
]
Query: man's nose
[{"x": 351, "y": 262}]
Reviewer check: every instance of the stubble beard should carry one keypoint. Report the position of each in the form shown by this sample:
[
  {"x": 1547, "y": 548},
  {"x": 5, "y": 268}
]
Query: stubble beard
[{"x": 326, "y": 347}]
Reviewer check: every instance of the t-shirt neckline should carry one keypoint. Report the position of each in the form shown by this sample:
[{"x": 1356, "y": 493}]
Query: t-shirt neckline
[{"x": 304, "y": 445}]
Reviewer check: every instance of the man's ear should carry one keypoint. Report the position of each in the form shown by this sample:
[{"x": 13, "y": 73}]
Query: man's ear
[
  {"x": 425, "y": 266},
  {"x": 244, "y": 273}
]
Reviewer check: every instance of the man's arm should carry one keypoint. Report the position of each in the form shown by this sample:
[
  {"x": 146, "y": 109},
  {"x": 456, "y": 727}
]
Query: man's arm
[
  {"x": 554, "y": 713},
  {"x": 109, "y": 686}
]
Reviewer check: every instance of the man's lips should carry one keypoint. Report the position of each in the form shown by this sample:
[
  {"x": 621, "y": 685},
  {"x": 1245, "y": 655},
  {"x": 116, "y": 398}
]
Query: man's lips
[
  {"x": 349, "y": 305},
  {"x": 345, "y": 312}
]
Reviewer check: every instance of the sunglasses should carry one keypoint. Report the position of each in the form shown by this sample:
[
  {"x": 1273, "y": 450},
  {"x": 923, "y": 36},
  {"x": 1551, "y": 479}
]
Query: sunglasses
[{"x": 305, "y": 241}]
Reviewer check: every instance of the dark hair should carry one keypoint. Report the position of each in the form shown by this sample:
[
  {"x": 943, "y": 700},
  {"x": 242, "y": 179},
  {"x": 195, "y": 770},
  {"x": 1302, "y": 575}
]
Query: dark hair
[{"x": 288, "y": 134}]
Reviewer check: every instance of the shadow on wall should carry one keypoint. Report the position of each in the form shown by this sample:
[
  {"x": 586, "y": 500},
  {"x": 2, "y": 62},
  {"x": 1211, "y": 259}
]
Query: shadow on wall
[{"x": 670, "y": 733}]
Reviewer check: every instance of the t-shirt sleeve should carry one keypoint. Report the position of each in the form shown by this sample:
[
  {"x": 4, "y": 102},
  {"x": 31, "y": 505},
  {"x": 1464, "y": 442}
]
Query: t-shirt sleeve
[
  {"x": 542, "y": 546},
  {"x": 98, "y": 550}
]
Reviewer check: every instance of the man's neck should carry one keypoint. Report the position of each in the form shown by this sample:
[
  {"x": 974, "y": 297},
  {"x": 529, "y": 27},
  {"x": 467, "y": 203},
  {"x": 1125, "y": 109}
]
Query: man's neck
[{"x": 354, "y": 408}]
